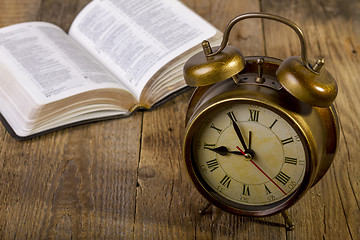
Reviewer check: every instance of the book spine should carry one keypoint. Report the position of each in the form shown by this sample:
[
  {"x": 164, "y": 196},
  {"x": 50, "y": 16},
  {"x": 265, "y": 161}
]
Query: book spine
[{"x": 140, "y": 107}]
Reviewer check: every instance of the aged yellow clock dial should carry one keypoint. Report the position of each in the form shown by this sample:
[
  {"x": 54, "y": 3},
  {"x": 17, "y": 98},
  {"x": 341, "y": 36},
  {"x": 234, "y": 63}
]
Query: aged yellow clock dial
[{"x": 249, "y": 154}]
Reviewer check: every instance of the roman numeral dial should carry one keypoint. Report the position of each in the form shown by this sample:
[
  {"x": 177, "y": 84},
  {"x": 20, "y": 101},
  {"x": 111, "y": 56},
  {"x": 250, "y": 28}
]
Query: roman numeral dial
[
  {"x": 215, "y": 128},
  {"x": 254, "y": 115},
  {"x": 212, "y": 165},
  {"x": 287, "y": 140},
  {"x": 225, "y": 181},
  {"x": 277, "y": 164},
  {"x": 291, "y": 160},
  {"x": 283, "y": 178}
]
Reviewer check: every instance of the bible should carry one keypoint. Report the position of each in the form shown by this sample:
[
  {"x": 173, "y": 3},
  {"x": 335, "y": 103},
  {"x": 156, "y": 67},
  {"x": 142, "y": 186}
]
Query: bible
[{"x": 118, "y": 56}]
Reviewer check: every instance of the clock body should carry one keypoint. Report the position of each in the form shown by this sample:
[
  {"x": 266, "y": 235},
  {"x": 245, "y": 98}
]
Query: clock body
[{"x": 287, "y": 145}]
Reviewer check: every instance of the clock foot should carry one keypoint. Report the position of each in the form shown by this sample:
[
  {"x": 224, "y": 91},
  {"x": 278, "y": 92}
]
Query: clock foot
[
  {"x": 288, "y": 221},
  {"x": 204, "y": 208}
]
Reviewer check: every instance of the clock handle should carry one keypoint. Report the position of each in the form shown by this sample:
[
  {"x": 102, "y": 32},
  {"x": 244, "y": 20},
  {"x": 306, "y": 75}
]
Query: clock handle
[
  {"x": 317, "y": 66},
  {"x": 311, "y": 84}
]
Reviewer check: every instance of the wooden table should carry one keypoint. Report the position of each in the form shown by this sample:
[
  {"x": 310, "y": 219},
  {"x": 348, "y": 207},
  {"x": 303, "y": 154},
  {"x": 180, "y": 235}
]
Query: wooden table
[{"x": 125, "y": 178}]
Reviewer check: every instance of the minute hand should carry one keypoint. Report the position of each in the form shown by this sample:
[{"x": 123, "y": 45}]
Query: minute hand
[{"x": 238, "y": 133}]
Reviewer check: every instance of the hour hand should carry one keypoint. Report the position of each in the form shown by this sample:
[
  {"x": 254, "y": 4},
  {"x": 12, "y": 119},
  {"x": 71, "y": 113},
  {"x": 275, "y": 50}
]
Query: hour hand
[{"x": 223, "y": 151}]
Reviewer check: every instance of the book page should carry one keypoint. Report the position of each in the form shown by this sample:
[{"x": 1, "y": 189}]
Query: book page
[
  {"x": 48, "y": 64},
  {"x": 134, "y": 39}
]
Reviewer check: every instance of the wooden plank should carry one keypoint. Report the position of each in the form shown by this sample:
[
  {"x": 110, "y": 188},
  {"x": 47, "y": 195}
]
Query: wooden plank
[
  {"x": 16, "y": 11},
  {"x": 331, "y": 209},
  {"x": 247, "y": 35},
  {"x": 71, "y": 183},
  {"x": 75, "y": 183},
  {"x": 61, "y": 13}
]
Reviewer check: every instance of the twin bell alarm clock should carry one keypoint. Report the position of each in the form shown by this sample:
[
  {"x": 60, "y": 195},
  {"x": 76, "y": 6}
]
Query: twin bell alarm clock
[{"x": 260, "y": 131}]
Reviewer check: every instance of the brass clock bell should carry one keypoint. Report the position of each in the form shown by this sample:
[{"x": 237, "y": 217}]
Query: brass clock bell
[{"x": 260, "y": 131}]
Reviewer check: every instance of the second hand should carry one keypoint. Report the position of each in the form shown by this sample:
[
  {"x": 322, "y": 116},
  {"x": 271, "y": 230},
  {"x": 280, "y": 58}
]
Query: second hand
[{"x": 262, "y": 171}]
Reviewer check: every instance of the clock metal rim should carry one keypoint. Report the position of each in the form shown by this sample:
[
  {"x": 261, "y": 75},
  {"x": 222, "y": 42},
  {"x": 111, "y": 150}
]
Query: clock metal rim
[{"x": 228, "y": 205}]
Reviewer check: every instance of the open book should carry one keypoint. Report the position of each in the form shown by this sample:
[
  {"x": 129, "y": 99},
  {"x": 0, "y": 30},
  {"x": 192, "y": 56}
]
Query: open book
[{"x": 118, "y": 56}]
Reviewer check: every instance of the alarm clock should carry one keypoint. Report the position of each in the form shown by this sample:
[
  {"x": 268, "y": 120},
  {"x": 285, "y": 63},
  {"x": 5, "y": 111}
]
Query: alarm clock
[{"x": 260, "y": 131}]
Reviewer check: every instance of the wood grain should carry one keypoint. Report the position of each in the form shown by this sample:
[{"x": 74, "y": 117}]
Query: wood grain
[
  {"x": 331, "y": 33},
  {"x": 125, "y": 178}
]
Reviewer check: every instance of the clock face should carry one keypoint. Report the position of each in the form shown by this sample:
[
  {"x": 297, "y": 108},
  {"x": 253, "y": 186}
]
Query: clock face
[{"x": 247, "y": 154}]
